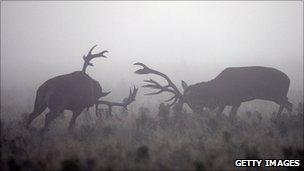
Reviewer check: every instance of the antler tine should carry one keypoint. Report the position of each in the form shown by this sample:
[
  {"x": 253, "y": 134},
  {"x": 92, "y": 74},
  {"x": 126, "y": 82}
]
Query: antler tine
[
  {"x": 144, "y": 70},
  {"x": 154, "y": 93},
  {"x": 140, "y": 64},
  {"x": 155, "y": 85},
  {"x": 101, "y": 54},
  {"x": 130, "y": 91},
  {"x": 128, "y": 100},
  {"x": 135, "y": 92},
  {"x": 90, "y": 51},
  {"x": 161, "y": 89},
  {"x": 90, "y": 56},
  {"x": 150, "y": 86},
  {"x": 131, "y": 97},
  {"x": 147, "y": 70},
  {"x": 173, "y": 97},
  {"x": 175, "y": 100}
]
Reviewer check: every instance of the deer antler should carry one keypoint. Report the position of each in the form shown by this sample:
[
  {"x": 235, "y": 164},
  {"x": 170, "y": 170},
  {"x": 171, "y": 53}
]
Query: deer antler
[
  {"x": 155, "y": 85},
  {"x": 126, "y": 101},
  {"x": 90, "y": 56}
]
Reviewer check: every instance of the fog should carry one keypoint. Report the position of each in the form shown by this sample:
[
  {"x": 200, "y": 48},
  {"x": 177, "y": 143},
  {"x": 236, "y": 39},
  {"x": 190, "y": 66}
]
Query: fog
[{"x": 190, "y": 41}]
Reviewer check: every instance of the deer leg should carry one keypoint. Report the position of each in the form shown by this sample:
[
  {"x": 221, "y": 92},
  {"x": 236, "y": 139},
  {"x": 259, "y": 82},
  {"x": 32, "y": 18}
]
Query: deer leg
[
  {"x": 288, "y": 106},
  {"x": 280, "y": 109},
  {"x": 284, "y": 104},
  {"x": 37, "y": 111},
  {"x": 234, "y": 110},
  {"x": 96, "y": 110},
  {"x": 50, "y": 116},
  {"x": 110, "y": 111},
  {"x": 76, "y": 113},
  {"x": 220, "y": 110}
]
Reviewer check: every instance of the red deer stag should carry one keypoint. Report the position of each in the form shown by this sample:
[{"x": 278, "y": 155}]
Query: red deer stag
[
  {"x": 75, "y": 91},
  {"x": 230, "y": 88}
]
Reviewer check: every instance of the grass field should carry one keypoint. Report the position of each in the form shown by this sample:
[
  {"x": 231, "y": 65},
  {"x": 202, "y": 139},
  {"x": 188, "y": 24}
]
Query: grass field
[{"x": 141, "y": 140}]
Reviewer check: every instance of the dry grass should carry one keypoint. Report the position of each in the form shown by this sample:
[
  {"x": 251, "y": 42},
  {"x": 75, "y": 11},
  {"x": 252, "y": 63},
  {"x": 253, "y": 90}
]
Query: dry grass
[{"x": 168, "y": 141}]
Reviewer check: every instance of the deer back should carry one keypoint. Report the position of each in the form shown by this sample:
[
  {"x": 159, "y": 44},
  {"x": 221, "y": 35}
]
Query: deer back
[
  {"x": 239, "y": 84},
  {"x": 76, "y": 89}
]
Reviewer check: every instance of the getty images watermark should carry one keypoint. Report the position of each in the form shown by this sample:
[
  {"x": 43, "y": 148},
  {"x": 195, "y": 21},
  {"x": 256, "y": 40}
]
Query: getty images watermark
[{"x": 267, "y": 163}]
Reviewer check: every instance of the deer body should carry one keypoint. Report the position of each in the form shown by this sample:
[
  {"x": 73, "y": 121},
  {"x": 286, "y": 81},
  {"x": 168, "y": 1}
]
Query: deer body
[
  {"x": 240, "y": 84},
  {"x": 75, "y": 91},
  {"x": 230, "y": 88}
]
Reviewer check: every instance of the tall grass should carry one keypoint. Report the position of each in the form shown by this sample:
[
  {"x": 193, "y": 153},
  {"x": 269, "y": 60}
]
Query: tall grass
[{"x": 141, "y": 140}]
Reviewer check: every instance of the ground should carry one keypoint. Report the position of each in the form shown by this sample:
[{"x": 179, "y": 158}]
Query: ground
[{"x": 143, "y": 141}]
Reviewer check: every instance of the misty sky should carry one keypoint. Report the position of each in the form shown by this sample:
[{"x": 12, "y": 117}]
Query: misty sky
[{"x": 191, "y": 41}]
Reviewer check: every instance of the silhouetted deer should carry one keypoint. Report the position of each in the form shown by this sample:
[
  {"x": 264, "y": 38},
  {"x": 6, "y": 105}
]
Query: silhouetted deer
[
  {"x": 75, "y": 91},
  {"x": 230, "y": 88}
]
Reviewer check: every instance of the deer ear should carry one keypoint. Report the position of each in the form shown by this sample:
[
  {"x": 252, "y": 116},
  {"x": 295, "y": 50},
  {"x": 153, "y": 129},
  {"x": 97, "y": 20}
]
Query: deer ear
[{"x": 184, "y": 85}]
